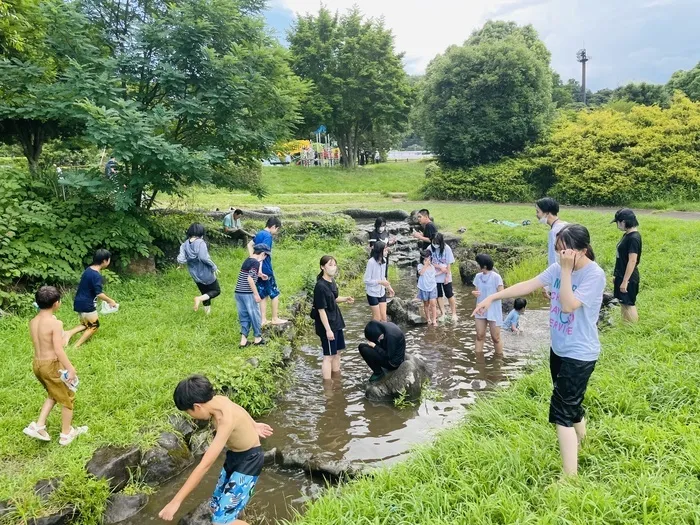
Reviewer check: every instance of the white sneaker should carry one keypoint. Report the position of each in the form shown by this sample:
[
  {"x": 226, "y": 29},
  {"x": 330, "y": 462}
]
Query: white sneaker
[
  {"x": 67, "y": 439},
  {"x": 34, "y": 431},
  {"x": 207, "y": 310}
]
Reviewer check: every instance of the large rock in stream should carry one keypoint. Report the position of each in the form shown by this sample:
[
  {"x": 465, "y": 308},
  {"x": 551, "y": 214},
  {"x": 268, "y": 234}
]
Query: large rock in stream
[
  {"x": 408, "y": 379},
  {"x": 114, "y": 464},
  {"x": 199, "y": 516},
  {"x": 167, "y": 459},
  {"x": 405, "y": 312},
  {"x": 62, "y": 517}
]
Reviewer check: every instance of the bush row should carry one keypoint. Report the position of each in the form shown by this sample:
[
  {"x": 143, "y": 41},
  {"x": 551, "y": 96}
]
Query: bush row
[{"x": 598, "y": 157}]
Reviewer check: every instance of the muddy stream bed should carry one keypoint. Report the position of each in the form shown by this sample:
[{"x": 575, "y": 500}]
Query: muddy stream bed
[{"x": 335, "y": 422}]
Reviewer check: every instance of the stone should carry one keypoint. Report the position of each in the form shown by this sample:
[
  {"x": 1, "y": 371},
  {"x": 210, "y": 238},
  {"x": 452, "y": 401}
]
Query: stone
[
  {"x": 451, "y": 239},
  {"x": 407, "y": 379},
  {"x": 114, "y": 464},
  {"x": 5, "y": 509},
  {"x": 199, "y": 516},
  {"x": 254, "y": 362},
  {"x": 332, "y": 470},
  {"x": 287, "y": 354},
  {"x": 359, "y": 237},
  {"x": 295, "y": 458},
  {"x": 45, "y": 487},
  {"x": 389, "y": 215},
  {"x": 468, "y": 270},
  {"x": 285, "y": 330},
  {"x": 121, "y": 507},
  {"x": 200, "y": 441},
  {"x": 184, "y": 426},
  {"x": 142, "y": 266},
  {"x": 462, "y": 230},
  {"x": 298, "y": 304},
  {"x": 507, "y": 305},
  {"x": 271, "y": 456},
  {"x": 405, "y": 312},
  {"x": 63, "y": 517},
  {"x": 272, "y": 209},
  {"x": 167, "y": 459}
]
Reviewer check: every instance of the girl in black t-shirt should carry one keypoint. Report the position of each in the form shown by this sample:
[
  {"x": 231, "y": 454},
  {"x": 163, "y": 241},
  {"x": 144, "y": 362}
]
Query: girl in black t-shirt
[
  {"x": 628, "y": 256},
  {"x": 328, "y": 318}
]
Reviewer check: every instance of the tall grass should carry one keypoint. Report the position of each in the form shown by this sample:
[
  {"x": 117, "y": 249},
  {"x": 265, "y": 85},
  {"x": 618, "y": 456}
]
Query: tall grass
[
  {"x": 641, "y": 461},
  {"x": 129, "y": 369}
]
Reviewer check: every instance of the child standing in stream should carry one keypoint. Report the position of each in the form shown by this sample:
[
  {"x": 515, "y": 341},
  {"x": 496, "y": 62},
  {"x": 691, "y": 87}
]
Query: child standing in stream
[
  {"x": 487, "y": 283},
  {"x": 328, "y": 318},
  {"x": 427, "y": 287}
]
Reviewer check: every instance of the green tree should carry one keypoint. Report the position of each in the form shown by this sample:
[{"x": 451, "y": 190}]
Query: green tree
[
  {"x": 360, "y": 90},
  {"x": 643, "y": 93},
  {"x": 488, "y": 98},
  {"x": 203, "y": 83},
  {"x": 686, "y": 81},
  {"x": 562, "y": 96},
  {"x": 43, "y": 74}
]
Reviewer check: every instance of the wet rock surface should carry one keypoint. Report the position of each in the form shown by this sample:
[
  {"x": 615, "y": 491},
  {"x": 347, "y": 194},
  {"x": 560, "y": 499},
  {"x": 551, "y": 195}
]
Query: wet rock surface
[
  {"x": 63, "y": 517},
  {"x": 200, "y": 441},
  {"x": 407, "y": 379},
  {"x": 114, "y": 464},
  {"x": 405, "y": 312},
  {"x": 166, "y": 459},
  {"x": 318, "y": 465},
  {"x": 122, "y": 507},
  {"x": 199, "y": 516},
  {"x": 45, "y": 487},
  {"x": 184, "y": 426},
  {"x": 389, "y": 215}
]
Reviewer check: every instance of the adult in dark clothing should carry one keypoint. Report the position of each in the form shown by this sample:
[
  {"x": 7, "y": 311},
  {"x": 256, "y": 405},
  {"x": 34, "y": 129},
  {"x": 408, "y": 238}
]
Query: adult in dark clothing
[
  {"x": 629, "y": 254},
  {"x": 381, "y": 234},
  {"x": 385, "y": 348},
  {"x": 427, "y": 234}
]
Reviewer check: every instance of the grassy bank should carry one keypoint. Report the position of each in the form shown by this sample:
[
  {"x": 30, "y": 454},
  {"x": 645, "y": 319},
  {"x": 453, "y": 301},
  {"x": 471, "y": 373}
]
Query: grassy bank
[
  {"x": 640, "y": 463},
  {"x": 129, "y": 369}
]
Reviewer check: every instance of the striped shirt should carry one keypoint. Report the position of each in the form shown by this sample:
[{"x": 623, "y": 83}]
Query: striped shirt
[{"x": 249, "y": 268}]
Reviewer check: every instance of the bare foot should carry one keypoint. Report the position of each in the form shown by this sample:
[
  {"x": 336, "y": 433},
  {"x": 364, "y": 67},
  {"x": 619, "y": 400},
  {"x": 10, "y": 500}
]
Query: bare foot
[
  {"x": 197, "y": 302},
  {"x": 264, "y": 323},
  {"x": 279, "y": 321},
  {"x": 435, "y": 323}
]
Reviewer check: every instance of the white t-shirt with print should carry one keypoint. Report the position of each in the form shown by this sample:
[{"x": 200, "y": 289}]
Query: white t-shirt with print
[
  {"x": 575, "y": 335},
  {"x": 444, "y": 258},
  {"x": 552, "y": 241},
  {"x": 487, "y": 284}
]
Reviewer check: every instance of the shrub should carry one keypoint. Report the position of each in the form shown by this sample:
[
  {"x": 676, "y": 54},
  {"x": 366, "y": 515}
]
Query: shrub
[{"x": 499, "y": 182}]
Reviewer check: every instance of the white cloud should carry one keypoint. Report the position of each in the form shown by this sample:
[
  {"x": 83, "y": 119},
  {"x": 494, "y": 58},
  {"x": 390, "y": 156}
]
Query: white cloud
[{"x": 627, "y": 42}]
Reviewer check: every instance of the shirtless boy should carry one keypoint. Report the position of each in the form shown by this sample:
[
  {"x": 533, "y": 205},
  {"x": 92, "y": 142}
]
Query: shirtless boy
[
  {"x": 238, "y": 433},
  {"x": 50, "y": 357}
]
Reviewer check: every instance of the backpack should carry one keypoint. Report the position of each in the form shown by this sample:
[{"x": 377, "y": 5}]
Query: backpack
[{"x": 313, "y": 313}]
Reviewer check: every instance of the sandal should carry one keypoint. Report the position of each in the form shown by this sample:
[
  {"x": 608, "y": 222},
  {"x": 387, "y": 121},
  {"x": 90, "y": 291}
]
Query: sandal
[
  {"x": 34, "y": 431},
  {"x": 67, "y": 439},
  {"x": 260, "y": 343}
]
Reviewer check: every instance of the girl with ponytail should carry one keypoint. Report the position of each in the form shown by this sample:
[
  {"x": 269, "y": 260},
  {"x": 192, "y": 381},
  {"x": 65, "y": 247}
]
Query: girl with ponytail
[{"x": 576, "y": 286}]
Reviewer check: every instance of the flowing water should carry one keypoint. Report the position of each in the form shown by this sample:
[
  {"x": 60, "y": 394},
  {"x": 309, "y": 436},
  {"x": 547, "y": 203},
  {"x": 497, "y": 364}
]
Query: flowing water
[{"x": 335, "y": 422}]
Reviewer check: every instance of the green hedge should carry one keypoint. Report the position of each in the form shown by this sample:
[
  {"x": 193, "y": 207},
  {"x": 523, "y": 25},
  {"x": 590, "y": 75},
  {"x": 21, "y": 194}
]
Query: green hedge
[{"x": 607, "y": 156}]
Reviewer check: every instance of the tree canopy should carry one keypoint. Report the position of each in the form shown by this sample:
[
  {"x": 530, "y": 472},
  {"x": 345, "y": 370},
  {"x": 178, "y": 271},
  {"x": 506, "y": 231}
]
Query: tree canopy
[
  {"x": 359, "y": 89},
  {"x": 488, "y": 98}
]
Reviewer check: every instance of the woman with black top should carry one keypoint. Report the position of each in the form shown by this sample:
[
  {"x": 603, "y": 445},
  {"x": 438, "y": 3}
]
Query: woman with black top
[
  {"x": 328, "y": 317},
  {"x": 380, "y": 234},
  {"x": 385, "y": 348},
  {"x": 629, "y": 253}
]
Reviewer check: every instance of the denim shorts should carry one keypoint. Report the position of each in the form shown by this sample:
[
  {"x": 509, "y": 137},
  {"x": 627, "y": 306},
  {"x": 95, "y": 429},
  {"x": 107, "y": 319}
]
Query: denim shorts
[{"x": 427, "y": 296}]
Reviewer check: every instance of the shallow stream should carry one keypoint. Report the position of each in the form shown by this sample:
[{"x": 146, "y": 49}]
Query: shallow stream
[{"x": 336, "y": 422}]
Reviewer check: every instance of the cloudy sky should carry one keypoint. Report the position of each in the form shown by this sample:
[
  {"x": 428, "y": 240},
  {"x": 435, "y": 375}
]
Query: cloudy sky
[{"x": 627, "y": 40}]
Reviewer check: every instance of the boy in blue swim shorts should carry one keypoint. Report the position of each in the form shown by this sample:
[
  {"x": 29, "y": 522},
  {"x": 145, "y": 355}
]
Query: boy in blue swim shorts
[
  {"x": 238, "y": 433},
  {"x": 267, "y": 284}
]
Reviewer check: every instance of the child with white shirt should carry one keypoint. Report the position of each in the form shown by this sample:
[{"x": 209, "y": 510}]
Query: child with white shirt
[
  {"x": 427, "y": 287},
  {"x": 488, "y": 283}
]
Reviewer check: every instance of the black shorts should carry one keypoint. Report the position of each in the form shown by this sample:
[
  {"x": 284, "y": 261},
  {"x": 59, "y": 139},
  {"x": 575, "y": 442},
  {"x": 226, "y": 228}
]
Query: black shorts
[
  {"x": 570, "y": 379},
  {"x": 445, "y": 289},
  {"x": 374, "y": 301},
  {"x": 331, "y": 348},
  {"x": 629, "y": 298}
]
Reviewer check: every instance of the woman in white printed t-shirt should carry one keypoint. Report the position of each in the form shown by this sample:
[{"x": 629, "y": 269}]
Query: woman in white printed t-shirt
[{"x": 576, "y": 286}]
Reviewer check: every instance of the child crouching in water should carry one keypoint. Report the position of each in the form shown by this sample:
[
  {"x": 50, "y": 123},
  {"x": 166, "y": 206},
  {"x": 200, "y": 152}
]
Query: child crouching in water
[
  {"x": 512, "y": 322},
  {"x": 238, "y": 433},
  {"x": 427, "y": 287},
  {"x": 488, "y": 283},
  {"x": 49, "y": 358}
]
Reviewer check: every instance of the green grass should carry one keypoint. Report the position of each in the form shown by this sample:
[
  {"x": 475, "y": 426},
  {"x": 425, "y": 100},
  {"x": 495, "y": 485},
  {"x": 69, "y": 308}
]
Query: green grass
[
  {"x": 293, "y": 185},
  {"x": 641, "y": 462},
  {"x": 129, "y": 369}
]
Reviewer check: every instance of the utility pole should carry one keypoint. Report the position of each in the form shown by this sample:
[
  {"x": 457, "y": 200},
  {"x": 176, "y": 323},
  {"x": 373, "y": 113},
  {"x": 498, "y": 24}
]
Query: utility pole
[{"x": 582, "y": 57}]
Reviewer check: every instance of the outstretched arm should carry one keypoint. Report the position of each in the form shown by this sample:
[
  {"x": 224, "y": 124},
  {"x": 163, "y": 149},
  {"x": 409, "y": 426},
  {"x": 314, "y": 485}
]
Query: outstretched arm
[{"x": 517, "y": 290}]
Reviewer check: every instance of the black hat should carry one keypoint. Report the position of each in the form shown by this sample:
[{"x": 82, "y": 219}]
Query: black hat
[
  {"x": 261, "y": 248},
  {"x": 625, "y": 214}
]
